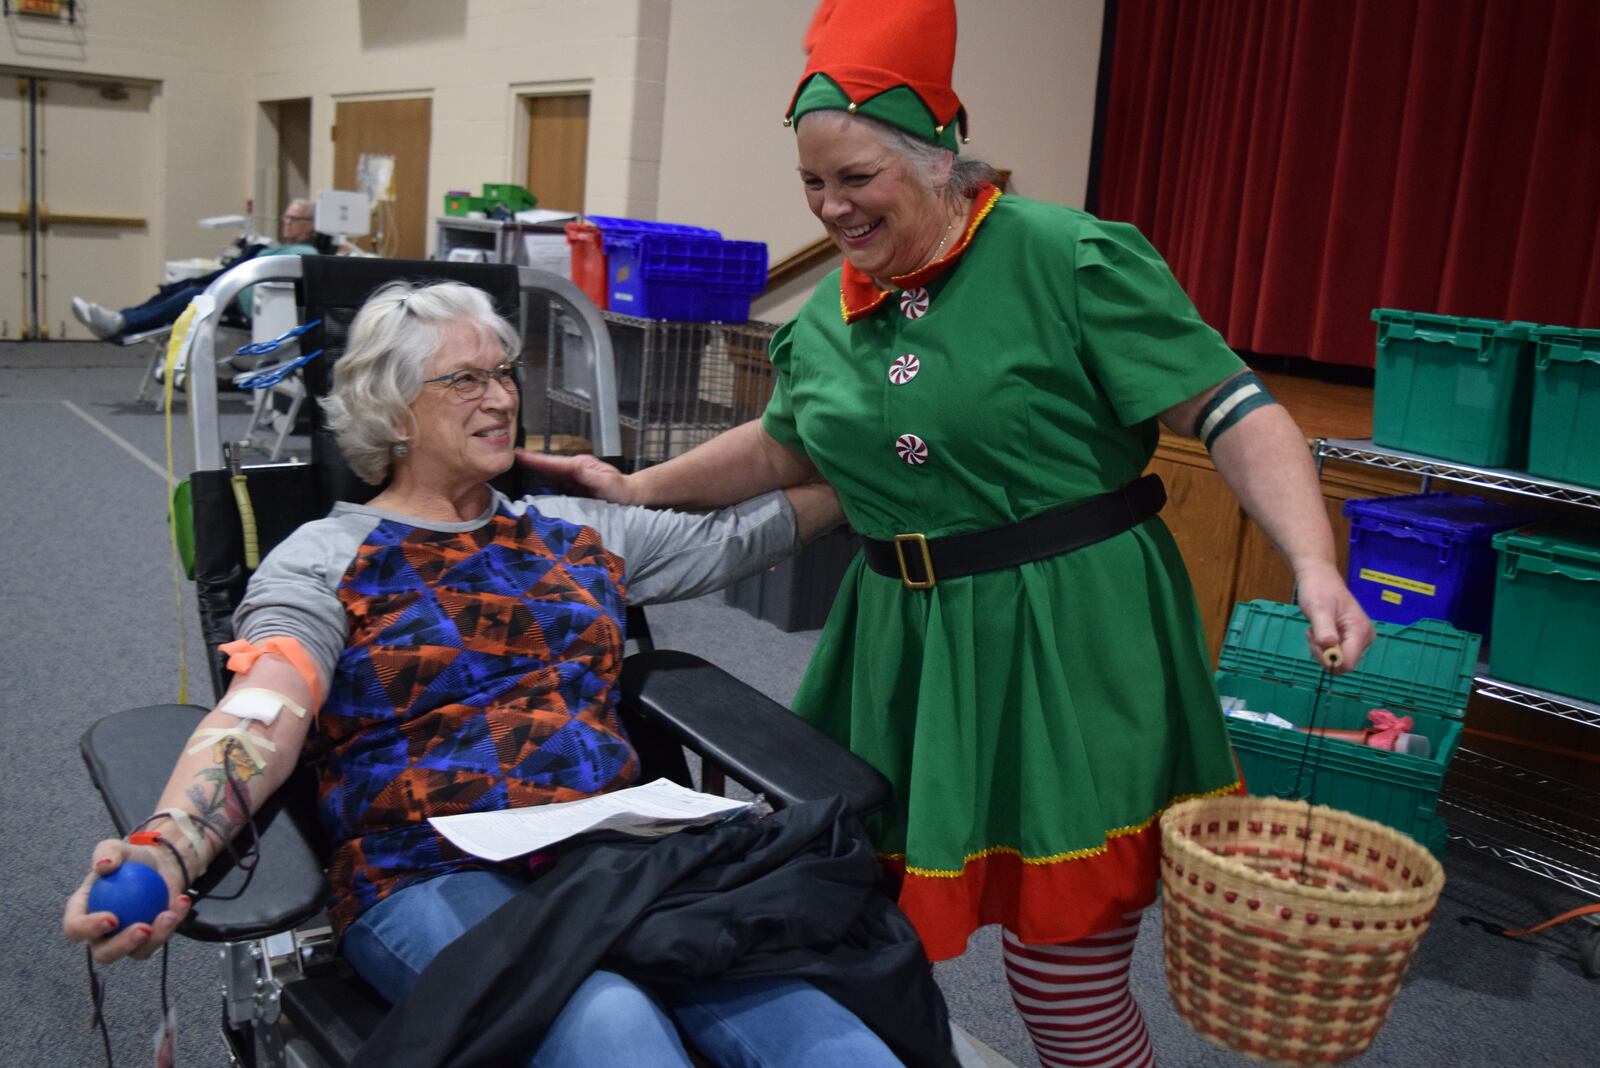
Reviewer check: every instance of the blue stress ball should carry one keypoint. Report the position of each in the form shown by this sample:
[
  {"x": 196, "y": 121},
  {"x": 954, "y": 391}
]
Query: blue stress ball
[{"x": 134, "y": 893}]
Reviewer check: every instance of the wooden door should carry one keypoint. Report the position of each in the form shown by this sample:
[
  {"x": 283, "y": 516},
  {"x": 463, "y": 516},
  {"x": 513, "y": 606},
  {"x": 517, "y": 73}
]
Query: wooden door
[
  {"x": 65, "y": 230},
  {"x": 292, "y": 119},
  {"x": 402, "y": 129},
  {"x": 558, "y": 150}
]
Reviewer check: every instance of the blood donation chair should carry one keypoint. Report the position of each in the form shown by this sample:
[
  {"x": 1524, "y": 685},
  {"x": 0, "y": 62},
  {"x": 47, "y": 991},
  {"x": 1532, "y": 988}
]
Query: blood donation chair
[{"x": 286, "y": 997}]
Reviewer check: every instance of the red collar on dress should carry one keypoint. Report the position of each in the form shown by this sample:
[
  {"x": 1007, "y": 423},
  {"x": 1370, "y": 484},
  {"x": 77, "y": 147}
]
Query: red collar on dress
[{"x": 859, "y": 295}]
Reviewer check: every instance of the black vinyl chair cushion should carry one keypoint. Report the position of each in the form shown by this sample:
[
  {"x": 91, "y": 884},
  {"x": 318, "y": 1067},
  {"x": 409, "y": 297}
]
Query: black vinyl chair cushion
[
  {"x": 130, "y": 755},
  {"x": 756, "y": 740}
]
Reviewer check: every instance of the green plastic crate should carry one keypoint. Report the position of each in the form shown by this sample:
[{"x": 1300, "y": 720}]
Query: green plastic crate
[
  {"x": 1564, "y": 428},
  {"x": 1547, "y": 609},
  {"x": 514, "y": 197},
  {"x": 1424, "y": 671},
  {"x": 1453, "y": 388},
  {"x": 461, "y": 204}
]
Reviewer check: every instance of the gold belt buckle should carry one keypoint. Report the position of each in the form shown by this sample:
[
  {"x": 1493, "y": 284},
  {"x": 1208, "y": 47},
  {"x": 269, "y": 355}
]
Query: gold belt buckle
[{"x": 900, "y": 543}]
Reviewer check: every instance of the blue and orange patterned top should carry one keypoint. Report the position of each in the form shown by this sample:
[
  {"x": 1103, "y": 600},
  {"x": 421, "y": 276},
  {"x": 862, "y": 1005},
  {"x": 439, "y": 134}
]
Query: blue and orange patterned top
[{"x": 473, "y": 666}]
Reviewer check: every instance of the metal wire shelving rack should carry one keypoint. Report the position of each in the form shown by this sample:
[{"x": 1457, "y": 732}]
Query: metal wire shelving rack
[
  {"x": 1521, "y": 817},
  {"x": 678, "y": 383}
]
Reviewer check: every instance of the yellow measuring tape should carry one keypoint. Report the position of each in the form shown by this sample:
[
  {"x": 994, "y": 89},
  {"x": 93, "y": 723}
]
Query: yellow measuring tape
[{"x": 180, "y": 331}]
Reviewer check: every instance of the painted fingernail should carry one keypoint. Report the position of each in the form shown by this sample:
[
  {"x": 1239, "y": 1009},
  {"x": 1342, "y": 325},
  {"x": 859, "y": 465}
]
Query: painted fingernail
[
  {"x": 141, "y": 932},
  {"x": 108, "y": 925},
  {"x": 103, "y": 862},
  {"x": 184, "y": 900}
]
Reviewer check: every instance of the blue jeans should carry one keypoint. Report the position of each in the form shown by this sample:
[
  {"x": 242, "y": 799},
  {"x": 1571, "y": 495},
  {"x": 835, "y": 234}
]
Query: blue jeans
[
  {"x": 164, "y": 308},
  {"x": 610, "y": 1020}
]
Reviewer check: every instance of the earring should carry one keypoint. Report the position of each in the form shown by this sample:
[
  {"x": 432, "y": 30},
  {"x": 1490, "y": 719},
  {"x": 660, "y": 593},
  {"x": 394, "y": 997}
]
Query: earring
[{"x": 399, "y": 448}]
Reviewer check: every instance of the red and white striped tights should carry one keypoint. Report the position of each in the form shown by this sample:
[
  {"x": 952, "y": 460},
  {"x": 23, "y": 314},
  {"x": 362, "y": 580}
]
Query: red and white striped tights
[{"x": 1075, "y": 1000}]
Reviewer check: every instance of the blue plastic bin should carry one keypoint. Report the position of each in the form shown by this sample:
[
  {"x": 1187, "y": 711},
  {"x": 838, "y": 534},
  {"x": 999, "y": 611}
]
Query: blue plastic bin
[
  {"x": 1427, "y": 556},
  {"x": 613, "y": 225},
  {"x": 664, "y": 271}
]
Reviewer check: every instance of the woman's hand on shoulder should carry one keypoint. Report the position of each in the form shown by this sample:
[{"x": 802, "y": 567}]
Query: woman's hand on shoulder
[
  {"x": 581, "y": 476},
  {"x": 1338, "y": 622},
  {"x": 136, "y": 940}
]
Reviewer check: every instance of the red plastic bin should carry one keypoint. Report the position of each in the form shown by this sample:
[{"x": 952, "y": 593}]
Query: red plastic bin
[{"x": 589, "y": 269}]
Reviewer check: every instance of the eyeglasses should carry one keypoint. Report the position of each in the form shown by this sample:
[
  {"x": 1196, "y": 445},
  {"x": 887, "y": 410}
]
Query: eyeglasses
[
  {"x": 295, "y": 218},
  {"x": 470, "y": 383}
]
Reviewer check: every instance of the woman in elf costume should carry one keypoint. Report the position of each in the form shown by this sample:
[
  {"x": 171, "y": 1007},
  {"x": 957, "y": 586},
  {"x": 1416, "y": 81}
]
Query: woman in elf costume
[{"x": 1018, "y": 647}]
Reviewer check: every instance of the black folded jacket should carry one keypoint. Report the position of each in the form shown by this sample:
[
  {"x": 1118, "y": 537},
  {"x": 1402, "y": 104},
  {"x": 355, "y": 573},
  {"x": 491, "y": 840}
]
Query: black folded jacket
[{"x": 798, "y": 893}]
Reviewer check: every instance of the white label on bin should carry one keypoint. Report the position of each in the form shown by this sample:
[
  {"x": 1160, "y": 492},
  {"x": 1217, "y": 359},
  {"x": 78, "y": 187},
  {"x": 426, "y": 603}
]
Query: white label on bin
[{"x": 1427, "y": 589}]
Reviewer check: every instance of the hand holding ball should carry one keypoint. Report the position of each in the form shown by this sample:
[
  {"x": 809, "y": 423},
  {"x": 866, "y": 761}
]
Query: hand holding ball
[{"x": 134, "y": 893}]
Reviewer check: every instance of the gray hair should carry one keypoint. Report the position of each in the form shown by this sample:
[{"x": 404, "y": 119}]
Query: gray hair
[
  {"x": 925, "y": 158},
  {"x": 395, "y": 335}
]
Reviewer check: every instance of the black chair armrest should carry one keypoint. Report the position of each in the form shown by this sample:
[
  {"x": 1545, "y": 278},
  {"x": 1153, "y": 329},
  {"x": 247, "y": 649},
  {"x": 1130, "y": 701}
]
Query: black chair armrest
[
  {"x": 130, "y": 755},
  {"x": 756, "y": 740}
]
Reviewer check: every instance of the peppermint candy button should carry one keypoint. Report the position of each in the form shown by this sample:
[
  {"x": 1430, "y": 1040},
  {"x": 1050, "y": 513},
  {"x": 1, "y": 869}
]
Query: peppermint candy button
[
  {"x": 912, "y": 449},
  {"x": 914, "y": 302},
  {"x": 904, "y": 369}
]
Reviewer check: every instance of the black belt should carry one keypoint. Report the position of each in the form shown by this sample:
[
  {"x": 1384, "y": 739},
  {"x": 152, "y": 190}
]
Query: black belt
[{"x": 920, "y": 562}]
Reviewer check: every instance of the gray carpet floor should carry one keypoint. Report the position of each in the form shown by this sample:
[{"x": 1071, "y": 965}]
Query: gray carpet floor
[{"x": 93, "y": 621}]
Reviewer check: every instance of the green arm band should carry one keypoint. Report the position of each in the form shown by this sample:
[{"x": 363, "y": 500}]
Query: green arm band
[{"x": 1237, "y": 398}]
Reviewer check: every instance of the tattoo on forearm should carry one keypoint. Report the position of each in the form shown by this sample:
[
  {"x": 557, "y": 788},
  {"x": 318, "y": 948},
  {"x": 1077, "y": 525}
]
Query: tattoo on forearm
[{"x": 220, "y": 798}]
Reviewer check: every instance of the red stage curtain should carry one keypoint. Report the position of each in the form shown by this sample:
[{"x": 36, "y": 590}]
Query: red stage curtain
[{"x": 1301, "y": 162}]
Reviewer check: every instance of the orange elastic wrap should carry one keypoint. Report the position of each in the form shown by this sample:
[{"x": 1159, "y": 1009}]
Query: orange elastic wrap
[{"x": 242, "y": 656}]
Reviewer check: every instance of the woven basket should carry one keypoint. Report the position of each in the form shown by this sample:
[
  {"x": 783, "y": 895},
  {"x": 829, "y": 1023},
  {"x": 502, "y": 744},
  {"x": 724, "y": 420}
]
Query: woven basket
[{"x": 1288, "y": 932}]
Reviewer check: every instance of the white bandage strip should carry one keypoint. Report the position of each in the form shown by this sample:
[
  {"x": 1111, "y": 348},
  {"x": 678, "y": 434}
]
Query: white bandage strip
[
  {"x": 189, "y": 828},
  {"x": 253, "y": 702},
  {"x": 209, "y": 736}
]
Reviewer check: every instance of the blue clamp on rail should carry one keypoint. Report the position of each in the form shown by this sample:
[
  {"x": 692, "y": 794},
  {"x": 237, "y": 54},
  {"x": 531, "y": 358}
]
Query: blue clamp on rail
[
  {"x": 261, "y": 348},
  {"x": 273, "y": 375}
]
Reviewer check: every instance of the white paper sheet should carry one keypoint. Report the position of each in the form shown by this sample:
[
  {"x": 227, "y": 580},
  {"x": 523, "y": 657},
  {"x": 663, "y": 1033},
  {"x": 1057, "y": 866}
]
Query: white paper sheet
[
  {"x": 545, "y": 215},
  {"x": 655, "y": 808}
]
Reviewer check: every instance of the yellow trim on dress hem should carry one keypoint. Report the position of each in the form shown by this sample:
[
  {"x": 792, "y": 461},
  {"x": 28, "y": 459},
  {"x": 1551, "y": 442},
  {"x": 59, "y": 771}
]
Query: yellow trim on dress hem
[{"x": 1056, "y": 858}]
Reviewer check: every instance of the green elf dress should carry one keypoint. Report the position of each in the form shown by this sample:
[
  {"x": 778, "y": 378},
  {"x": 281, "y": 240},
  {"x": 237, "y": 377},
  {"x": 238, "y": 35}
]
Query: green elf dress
[{"x": 1033, "y": 721}]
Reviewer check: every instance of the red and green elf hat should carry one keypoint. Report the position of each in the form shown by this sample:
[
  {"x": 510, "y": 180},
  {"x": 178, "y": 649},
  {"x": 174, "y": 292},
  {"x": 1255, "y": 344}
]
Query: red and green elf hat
[{"x": 889, "y": 61}]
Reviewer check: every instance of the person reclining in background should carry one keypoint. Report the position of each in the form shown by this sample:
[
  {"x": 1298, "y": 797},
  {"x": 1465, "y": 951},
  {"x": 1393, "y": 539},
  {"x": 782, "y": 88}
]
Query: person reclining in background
[
  {"x": 445, "y": 649},
  {"x": 298, "y": 236}
]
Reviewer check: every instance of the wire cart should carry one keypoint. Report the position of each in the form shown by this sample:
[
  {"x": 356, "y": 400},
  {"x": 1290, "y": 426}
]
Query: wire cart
[
  {"x": 1519, "y": 816},
  {"x": 678, "y": 384}
]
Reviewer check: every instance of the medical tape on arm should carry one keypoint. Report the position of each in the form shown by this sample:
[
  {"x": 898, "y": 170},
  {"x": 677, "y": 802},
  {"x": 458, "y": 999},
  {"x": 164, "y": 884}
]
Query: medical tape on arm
[
  {"x": 221, "y": 736},
  {"x": 188, "y": 828},
  {"x": 242, "y": 656},
  {"x": 259, "y": 704},
  {"x": 1234, "y": 399}
]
